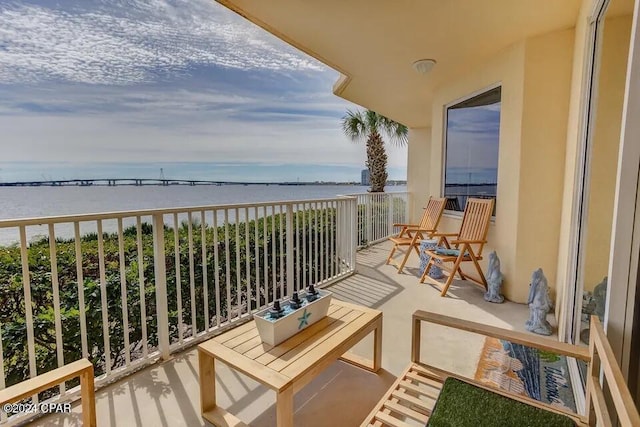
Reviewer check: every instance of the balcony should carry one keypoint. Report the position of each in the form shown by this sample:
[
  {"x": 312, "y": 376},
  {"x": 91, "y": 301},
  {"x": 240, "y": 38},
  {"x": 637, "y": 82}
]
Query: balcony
[{"x": 156, "y": 381}]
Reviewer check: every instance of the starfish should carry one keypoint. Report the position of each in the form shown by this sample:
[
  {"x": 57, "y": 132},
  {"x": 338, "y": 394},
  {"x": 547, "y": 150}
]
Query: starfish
[{"x": 304, "y": 319}]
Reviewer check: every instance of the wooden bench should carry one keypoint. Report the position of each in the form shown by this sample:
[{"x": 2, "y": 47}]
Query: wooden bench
[
  {"x": 81, "y": 368},
  {"x": 412, "y": 397}
]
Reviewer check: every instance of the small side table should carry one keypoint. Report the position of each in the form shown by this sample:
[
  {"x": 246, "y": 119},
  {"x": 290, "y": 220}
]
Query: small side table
[{"x": 434, "y": 272}]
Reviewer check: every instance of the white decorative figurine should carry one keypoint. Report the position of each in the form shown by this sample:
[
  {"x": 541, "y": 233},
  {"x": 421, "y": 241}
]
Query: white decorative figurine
[
  {"x": 600, "y": 298},
  {"x": 494, "y": 279},
  {"x": 539, "y": 304}
]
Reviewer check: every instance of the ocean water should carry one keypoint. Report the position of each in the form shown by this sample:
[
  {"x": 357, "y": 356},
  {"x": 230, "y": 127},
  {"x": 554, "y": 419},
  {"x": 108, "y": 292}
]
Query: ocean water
[
  {"x": 31, "y": 202},
  {"x": 458, "y": 176}
]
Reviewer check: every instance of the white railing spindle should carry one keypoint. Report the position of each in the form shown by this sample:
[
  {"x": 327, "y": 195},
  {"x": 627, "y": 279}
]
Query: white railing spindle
[
  {"x": 281, "y": 250},
  {"x": 192, "y": 277},
  {"x": 3, "y": 415},
  {"x": 141, "y": 291},
  {"x": 227, "y": 263},
  {"x": 256, "y": 248},
  {"x": 216, "y": 265},
  {"x": 28, "y": 307},
  {"x": 176, "y": 257},
  {"x": 247, "y": 264},
  {"x": 290, "y": 258},
  {"x": 267, "y": 300},
  {"x": 53, "y": 258},
  {"x": 205, "y": 284},
  {"x": 123, "y": 294},
  {"x": 304, "y": 245},
  {"x": 238, "y": 269},
  {"x": 103, "y": 300},
  {"x": 160, "y": 268},
  {"x": 80, "y": 280},
  {"x": 273, "y": 253}
]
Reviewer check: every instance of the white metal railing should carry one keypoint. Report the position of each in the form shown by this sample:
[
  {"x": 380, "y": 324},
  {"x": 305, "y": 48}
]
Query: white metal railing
[
  {"x": 138, "y": 285},
  {"x": 377, "y": 212}
]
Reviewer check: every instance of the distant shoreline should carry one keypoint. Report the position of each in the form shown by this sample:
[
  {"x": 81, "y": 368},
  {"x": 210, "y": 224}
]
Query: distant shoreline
[{"x": 138, "y": 182}]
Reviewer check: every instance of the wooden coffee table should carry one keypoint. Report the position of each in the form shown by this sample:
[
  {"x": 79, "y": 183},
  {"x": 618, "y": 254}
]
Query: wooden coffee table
[{"x": 289, "y": 366}]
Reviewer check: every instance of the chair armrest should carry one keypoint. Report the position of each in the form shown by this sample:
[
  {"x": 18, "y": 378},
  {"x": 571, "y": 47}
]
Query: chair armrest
[
  {"x": 457, "y": 242},
  {"x": 405, "y": 225},
  {"x": 446, "y": 234},
  {"x": 529, "y": 340},
  {"x": 82, "y": 368},
  {"x": 41, "y": 382},
  {"x": 422, "y": 230}
]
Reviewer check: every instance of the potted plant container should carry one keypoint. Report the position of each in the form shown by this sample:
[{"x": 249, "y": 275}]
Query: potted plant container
[{"x": 276, "y": 324}]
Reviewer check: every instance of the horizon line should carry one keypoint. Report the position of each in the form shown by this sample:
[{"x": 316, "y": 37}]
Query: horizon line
[{"x": 111, "y": 182}]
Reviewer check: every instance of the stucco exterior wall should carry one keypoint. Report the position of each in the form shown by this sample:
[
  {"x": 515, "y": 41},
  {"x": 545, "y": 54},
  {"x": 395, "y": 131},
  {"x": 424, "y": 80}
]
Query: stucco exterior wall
[
  {"x": 548, "y": 66},
  {"x": 507, "y": 68},
  {"x": 535, "y": 77},
  {"x": 418, "y": 162}
]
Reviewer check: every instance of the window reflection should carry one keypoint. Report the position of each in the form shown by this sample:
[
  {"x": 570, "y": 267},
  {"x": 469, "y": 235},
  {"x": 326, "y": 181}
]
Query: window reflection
[{"x": 471, "y": 160}]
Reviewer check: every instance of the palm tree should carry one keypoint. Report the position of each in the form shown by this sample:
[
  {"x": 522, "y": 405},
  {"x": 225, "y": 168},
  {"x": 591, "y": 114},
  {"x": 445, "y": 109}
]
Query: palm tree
[{"x": 368, "y": 124}]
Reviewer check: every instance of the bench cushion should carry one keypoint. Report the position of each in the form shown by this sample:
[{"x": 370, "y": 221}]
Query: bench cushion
[{"x": 461, "y": 404}]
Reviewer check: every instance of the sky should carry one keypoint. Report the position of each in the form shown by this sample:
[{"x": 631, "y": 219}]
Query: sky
[
  {"x": 122, "y": 88},
  {"x": 472, "y": 144}
]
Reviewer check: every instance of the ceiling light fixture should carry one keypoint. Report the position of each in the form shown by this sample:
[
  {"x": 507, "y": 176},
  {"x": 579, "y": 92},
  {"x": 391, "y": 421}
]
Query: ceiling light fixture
[{"x": 423, "y": 66}]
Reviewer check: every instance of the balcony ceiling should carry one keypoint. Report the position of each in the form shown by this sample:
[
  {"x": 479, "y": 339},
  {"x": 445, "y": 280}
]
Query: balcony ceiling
[{"x": 374, "y": 43}]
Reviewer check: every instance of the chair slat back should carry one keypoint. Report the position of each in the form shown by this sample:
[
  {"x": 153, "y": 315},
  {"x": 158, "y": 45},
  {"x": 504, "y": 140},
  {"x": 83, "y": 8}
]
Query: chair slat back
[
  {"x": 432, "y": 213},
  {"x": 475, "y": 222}
]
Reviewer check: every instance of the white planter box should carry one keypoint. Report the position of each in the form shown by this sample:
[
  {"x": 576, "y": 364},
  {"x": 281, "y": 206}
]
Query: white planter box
[{"x": 276, "y": 331}]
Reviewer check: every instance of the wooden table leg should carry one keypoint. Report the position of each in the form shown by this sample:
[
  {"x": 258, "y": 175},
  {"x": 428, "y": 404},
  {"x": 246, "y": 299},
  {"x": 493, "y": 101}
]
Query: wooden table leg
[
  {"x": 377, "y": 345},
  {"x": 87, "y": 388},
  {"x": 284, "y": 407},
  {"x": 207, "y": 381},
  {"x": 364, "y": 363}
]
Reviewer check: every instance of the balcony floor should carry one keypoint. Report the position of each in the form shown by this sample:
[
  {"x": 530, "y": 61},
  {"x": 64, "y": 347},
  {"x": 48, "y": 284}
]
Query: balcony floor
[{"x": 167, "y": 394}]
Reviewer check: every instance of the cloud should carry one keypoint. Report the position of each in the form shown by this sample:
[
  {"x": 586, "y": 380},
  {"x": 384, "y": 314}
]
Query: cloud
[
  {"x": 473, "y": 137},
  {"x": 135, "y": 81},
  {"x": 126, "y": 42}
]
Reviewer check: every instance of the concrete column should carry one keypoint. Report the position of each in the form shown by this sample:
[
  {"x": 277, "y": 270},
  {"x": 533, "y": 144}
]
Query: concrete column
[{"x": 419, "y": 181}]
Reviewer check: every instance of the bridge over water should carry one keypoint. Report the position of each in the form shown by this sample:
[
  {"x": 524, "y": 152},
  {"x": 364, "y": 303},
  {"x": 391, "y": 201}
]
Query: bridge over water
[{"x": 111, "y": 182}]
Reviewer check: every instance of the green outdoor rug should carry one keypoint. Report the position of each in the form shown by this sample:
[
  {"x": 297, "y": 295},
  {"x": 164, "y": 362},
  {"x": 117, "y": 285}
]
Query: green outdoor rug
[{"x": 461, "y": 404}]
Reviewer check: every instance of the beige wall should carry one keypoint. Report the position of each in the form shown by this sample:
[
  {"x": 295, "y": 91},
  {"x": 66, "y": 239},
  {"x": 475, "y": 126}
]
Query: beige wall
[
  {"x": 605, "y": 147},
  {"x": 419, "y": 162},
  {"x": 548, "y": 65},
  {"x": 535, "y": 78},
  {"x": 507, "y": 68}
]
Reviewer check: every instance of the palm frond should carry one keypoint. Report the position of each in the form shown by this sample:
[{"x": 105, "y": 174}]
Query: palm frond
[
  {"x": 397, "y": 132},
  {"x": 358, "y": 125},
  {"x": 354, "y": 126}
]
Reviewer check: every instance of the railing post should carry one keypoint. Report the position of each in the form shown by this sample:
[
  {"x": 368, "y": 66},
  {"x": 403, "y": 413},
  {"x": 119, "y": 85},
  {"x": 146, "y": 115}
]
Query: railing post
[
  {"x": 405, "y": 214},
  {"x": 160, "y": 274},
  {"x": 390, "y": 207},
  {"x": 367, "y": 219},
  {"x": 353, "y": 227},
  {"x": 290, "y": 257},
  {"x": 340, "y": 234}
]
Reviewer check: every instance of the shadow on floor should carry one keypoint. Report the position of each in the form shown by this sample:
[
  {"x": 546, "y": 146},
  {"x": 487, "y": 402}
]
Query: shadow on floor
[{"x": 329, "y": 400}]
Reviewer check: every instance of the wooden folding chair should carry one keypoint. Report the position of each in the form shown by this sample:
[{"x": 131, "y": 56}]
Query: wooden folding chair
[
  {"x": 467, "y": 245},
  {"x": 411, "y": 234}
]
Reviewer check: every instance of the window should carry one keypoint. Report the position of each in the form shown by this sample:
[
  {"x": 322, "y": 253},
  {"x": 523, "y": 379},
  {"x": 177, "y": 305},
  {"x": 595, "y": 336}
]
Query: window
[{"x": 471, "y": 149}]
